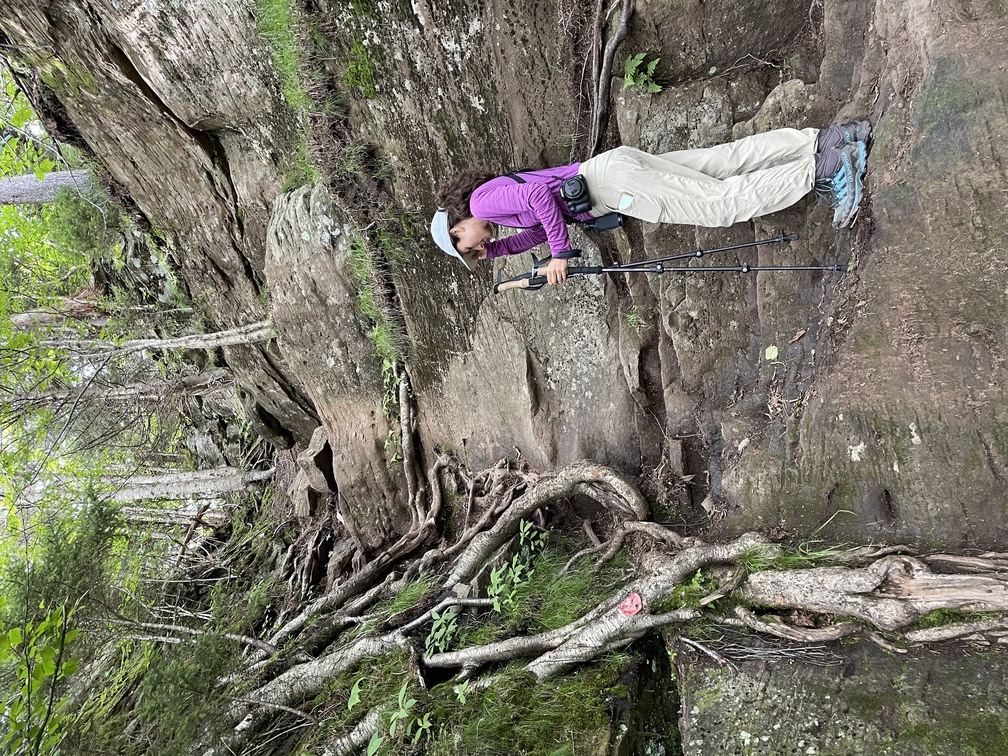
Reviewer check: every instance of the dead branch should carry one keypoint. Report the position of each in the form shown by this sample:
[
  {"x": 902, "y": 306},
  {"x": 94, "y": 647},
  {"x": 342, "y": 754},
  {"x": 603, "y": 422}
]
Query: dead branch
[
  {"x": 957, "y": 630},
  {"x": 881, "y": 642},
  {"x": 780, "y": 629},
  {"x": 178, "y": 630},
  {"x": 864, "y": 554},
  {"x": 709, "y": 652}
]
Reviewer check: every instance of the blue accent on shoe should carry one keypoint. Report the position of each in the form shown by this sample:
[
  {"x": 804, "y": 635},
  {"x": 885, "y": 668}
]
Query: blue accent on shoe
[{"x": 848, "y": 183}]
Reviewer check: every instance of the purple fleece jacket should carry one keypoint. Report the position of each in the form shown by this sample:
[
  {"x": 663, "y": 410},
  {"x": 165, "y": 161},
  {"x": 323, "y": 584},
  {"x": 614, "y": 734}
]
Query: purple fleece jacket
[{"x": 535, "y": 206}]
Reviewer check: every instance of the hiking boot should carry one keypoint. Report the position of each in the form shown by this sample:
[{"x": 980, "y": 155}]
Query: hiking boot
[
  {"x": 847, "y": 184},
  {"x": 844, "y": 133}
]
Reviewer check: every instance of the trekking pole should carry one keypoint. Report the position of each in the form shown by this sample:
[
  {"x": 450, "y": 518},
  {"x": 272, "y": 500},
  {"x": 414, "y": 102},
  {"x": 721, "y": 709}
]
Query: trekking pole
[
  {"x": 698, "y": 253},
  {"x": 532, "y": 281}
]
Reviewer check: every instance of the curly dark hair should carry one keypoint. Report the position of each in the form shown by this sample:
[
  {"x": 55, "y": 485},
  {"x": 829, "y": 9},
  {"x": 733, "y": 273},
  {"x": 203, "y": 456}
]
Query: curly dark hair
[{"x": 454, "y": 196}]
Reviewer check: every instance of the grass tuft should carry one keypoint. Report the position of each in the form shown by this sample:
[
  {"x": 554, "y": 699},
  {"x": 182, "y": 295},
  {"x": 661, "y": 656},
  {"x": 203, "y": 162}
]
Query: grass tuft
[{"x": 276, "y": 22}]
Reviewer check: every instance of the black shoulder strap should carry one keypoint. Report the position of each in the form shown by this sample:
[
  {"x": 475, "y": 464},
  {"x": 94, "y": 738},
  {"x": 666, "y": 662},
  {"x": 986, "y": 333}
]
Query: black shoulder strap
[{"x": 513, "y": 175}]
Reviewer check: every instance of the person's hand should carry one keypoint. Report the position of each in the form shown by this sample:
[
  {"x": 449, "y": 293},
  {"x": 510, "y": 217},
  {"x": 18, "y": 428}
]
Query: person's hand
[{"x": 556, "y": 271}]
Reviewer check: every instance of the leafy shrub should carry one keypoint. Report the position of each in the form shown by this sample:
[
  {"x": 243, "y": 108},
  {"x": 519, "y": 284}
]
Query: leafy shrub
[{"x": 87, "y": 222}]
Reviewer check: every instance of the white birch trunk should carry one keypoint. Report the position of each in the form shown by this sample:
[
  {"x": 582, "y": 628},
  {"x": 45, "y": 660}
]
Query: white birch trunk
[
  {"x": 201, "y": 483},
  {"x": 29, "y": 190}
]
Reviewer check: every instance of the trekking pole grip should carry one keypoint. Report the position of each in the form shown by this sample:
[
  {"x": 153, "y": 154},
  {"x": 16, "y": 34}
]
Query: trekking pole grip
[{"x": 529, "y": 284}]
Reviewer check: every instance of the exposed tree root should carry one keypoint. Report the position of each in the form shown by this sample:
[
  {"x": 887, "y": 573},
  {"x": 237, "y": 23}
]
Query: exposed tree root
[
  {"x": 882, "y": 588},
  {"x": 602, "y": 60},
  {"x": 623, "y": 498}
]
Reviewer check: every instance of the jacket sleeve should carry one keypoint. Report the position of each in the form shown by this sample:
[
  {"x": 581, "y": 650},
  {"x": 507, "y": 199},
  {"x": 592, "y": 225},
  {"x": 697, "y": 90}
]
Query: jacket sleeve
[
  {"x": 537, "y": 198},
  {"x": 520, "y": 242}
]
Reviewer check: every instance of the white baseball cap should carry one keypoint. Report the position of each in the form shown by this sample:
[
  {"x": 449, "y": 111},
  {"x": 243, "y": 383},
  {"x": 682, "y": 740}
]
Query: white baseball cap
[{"x": 439, "y": 226}]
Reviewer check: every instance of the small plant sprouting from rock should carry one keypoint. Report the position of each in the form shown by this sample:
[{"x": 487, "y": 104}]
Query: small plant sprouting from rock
[
  {"x": 634, "y": 320},
  {"x": 637, "y": 73}
]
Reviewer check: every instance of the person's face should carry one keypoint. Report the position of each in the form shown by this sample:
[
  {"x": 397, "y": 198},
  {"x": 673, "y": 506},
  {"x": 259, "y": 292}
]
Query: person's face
[{"x": 471, "y": 236}]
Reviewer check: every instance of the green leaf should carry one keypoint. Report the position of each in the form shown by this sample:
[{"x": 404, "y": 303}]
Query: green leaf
[
  {"x": 14, "y": 636},
  {"x": 354, "y": 695},
  {"x": 374, "y": 744},
  {"x": 771, "y": 353}
]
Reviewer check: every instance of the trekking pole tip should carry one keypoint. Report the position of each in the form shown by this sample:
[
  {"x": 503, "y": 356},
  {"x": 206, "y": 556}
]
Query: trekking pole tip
[{"x": 793, "y": 236}]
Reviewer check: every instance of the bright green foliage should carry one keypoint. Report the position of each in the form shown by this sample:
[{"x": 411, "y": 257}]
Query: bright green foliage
[
  {"x": 403, "y": 712},
  {"x": 509, "y": 577},
  {"x": 86, "y": 222},
  {"x": 64, "y": 565},
  {"x": 34, "y": 716},
  {"x": 180, "y": 699},
  {"x": 68, "y": 561},
  {"x": 442, "y": 632},
  {"x": 32, "y": 268},
  {"x": 638, "y": 74}
]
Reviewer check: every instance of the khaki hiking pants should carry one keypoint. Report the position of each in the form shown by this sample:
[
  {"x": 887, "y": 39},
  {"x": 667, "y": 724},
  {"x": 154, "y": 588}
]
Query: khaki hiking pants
[{"x": 712, "y": 186}]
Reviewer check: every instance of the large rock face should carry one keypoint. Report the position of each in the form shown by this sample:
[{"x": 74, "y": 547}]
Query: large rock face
[
  {"x": 883, "y": 412},
  {"x": 854, "y": 701},
  {"x": 313, "y": 305},
  {"x": 181, "y": 103}
]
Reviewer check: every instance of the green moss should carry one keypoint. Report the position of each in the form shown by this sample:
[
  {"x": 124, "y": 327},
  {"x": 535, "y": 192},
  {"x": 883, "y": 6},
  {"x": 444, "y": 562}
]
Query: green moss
[
  {"x": 968, "y": 734},
  {"x": 950, "y": 95},
  {"x": 687, "y": 595},
  {"x": 709, "y": 695},
  {"x": 942, "y": 617},
  {"x": 360, "y": 73},
  {"x": 62, "y": 77}
]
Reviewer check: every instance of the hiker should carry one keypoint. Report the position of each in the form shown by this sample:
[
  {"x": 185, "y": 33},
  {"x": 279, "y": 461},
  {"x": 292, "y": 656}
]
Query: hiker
[{"x": 712, "y": 186}]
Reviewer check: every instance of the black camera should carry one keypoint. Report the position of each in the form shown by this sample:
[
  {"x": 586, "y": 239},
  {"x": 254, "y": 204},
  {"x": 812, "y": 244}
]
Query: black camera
[{"x": 574, "y": 192}]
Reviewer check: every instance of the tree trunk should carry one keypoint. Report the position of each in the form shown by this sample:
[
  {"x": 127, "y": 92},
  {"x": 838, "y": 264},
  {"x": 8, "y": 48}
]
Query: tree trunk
[
  {"x": 246, "y": 334},
  {"x": 196, "y": 483},
  {"x": 29, "y": 190},
  {"x": 153, "y": 391}
]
